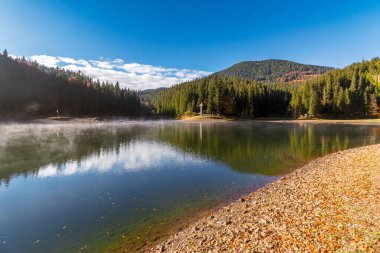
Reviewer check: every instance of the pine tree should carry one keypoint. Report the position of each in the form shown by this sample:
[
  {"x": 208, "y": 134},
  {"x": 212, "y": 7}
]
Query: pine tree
[
  {"x": 313, "y": 103},
  {"x": 340, "y": 100},
  {"x": 373, "y": 107}
]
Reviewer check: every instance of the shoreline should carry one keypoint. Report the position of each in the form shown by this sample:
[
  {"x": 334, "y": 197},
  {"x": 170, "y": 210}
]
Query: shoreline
[
  {"x": 196, "y": 119},
  {"x": 216, "y": 119},
  {"x": 291, "y": 121},
  {"x": 331, "y": 203}
]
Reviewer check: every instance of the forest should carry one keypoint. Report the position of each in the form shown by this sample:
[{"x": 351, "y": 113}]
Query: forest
[
  {"x": 224, "y": 96},
  {"x": 272, "y": 70},
  {"x": 352, "y": 91},
  {"x": 29, "y": 90},
  {"x": 349, "y": 92},
  {"x": 270, "y": 88}
]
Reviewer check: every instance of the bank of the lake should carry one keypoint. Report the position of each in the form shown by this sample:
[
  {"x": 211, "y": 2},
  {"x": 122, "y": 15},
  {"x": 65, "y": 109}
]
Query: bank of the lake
[
  {"x": 205, "y": 117},
  {"x": 199, "y": 119},
  {"x": 190, "y": 119},
  {"x": 330, "y": 204}
]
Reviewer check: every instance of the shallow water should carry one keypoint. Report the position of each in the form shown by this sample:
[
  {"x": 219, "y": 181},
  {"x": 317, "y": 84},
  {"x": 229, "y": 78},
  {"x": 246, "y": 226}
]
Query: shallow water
[{"x": 99, "y": 187}]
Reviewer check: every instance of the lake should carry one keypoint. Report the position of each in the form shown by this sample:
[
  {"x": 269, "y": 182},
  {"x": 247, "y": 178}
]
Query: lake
[{"x": 105, "y": 186}]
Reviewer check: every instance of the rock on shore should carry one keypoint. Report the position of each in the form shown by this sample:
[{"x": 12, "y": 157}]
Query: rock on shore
[{"x": 331, "y": 204}]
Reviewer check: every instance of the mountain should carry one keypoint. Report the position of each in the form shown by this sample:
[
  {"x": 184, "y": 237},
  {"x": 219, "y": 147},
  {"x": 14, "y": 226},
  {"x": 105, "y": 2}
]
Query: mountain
[
  {"x": 261, "y": 89},
  {"x": 273, "y": 70},
  {"x": 29, "y": 90}
]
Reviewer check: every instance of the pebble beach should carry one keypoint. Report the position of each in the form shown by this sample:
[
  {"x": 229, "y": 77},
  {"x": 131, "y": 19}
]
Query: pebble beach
[{"x": 332, "y": 204}]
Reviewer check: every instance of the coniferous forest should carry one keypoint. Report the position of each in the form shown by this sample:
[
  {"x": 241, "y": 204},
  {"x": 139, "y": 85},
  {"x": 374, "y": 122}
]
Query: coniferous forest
[
  {"x": 349, "y": 92},
  {"x": 272, "y": 70},
  {"x": 270, "y": 88},
  {"x": 225, "y": 96},
  {"x": 352, "y": 91},
  {"x": 28, "y": 89}
]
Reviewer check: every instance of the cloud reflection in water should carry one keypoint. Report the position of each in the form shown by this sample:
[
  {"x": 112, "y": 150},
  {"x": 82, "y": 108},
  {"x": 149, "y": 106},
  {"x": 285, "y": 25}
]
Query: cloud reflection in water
[{"x": 131, "y": 157}]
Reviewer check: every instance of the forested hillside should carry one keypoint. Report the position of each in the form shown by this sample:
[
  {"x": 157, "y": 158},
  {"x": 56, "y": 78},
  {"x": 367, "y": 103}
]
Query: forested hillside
[
  {"x": 352, "y": 91},
  {"x": 226, "y": 96},
  {"x": 28, "y": 89},
  {"x": 273, "y": 70},
  {"x": 349, "y": 92}
]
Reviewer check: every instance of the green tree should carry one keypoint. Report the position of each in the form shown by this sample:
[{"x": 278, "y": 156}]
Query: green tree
[{"x": 313, "y": 103}]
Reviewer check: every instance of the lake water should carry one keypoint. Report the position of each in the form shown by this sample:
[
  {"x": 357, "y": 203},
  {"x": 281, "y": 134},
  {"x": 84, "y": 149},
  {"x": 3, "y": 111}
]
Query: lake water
[{"x": 105, "y": 186}]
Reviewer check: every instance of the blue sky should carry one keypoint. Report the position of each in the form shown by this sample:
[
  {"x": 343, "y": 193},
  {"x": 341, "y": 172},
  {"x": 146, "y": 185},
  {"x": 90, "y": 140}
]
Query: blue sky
[{"x": 189, "y": 36}]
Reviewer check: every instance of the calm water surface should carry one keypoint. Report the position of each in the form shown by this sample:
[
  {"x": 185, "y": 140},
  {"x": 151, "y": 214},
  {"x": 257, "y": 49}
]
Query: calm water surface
[{"x": 99, "y": 187}]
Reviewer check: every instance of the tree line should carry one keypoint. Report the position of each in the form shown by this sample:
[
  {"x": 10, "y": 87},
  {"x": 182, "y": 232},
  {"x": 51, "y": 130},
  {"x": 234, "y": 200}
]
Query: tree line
[
  {"x": 28, "y": 89},
  {"x": 352, "y": 91},
  {"x": 349, "y": 92},
  {"x": 223, "y": 95}
]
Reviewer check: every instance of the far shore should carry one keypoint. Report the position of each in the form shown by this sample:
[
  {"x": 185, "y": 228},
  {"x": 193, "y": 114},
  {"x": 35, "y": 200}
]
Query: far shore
[
  {"x": 325, "y": 121},
  {"x": 192, "y": 119},
  {"x": 212, "y": 119},
  {"x": 329, "y": 205}
]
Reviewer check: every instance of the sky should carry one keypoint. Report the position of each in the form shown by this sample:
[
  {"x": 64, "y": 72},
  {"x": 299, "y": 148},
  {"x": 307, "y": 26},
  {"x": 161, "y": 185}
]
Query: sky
[{"x": 153, "y": 43}]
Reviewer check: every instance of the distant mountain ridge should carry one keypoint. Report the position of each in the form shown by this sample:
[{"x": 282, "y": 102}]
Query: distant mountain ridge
[{"x": 273, "y": 70}]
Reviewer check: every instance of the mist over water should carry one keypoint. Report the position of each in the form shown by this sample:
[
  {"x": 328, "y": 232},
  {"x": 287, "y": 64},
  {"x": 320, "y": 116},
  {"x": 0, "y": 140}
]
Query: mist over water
[{"x": 90, "y": 187}]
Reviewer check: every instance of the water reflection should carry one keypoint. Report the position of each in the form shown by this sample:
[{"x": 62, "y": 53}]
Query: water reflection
[
  {"x": 133, "y": 156},
  {"x": 268, "y": 149},
  {"x": 262, "y": 148}
]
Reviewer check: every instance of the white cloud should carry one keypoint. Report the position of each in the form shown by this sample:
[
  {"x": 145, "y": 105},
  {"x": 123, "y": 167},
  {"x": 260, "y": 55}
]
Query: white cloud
[
  {"x": 130, "y": 75},
  {"x": 49, "y": 61}
]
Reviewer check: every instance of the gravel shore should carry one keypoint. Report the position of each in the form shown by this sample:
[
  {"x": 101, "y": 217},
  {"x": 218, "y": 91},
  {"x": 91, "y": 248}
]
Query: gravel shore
[{"x": 331, "y": 204}]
